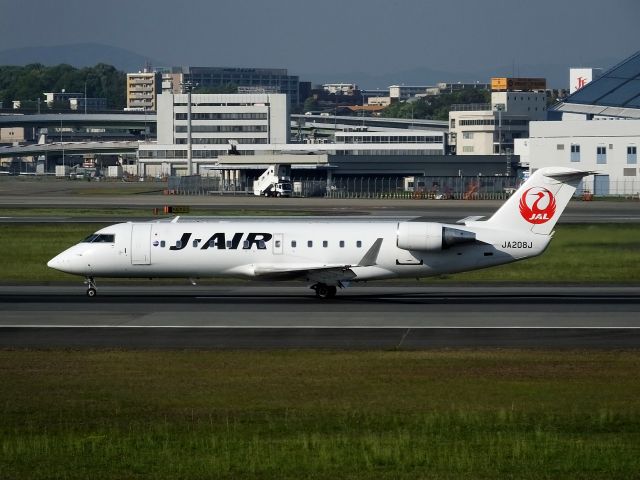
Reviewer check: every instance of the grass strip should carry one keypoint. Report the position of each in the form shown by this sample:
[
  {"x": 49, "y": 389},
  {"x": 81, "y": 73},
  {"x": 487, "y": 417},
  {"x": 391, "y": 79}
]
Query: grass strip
[
  {"x": 146, "y": 212},
  {"x": 599, "y": 253},
  {"x": 321, "y": 415}
]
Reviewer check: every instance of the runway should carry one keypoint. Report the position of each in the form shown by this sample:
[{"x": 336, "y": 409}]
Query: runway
[{"x": 289, "y": 316}]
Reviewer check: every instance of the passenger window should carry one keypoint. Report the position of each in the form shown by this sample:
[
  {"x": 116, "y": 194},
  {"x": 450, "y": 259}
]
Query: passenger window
[
  {"x": 341, "y": 243},
  {"x": 293, "y": 244},
  {"x": 229, "y": 244},
  {"x": 277, "y": 243},
  {"x": 358, "y": 244},
  {"x": 262, "y": 245},
  {"x": 195, "y": 242},
  {"x": 178, "y": 245},
  {"x": 162, "y": 243},
  {"x": 245, "y": 245},
  {"x": 310, "y": 243},
  {"x": 325, "y": 244}
]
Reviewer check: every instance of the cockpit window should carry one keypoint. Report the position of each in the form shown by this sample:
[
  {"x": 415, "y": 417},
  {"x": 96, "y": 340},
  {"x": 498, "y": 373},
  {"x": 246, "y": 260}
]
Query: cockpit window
[{"x": 100, "y": 238}]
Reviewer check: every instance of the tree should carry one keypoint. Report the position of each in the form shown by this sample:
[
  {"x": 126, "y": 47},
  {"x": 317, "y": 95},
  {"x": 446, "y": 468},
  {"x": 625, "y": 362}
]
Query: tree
[
  {"x": 435, "y": 107},
  {"x": 226, "y": 88},
  {"x": 29, "y": 83},
  {"x": 310, "y": 104}
]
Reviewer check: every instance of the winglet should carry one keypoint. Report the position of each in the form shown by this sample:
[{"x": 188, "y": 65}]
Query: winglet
[{"x": 371, "y": 257}]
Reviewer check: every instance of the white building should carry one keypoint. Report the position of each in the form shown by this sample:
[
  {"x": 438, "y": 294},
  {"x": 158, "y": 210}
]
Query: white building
[
  {"x": 340, "y": 88},
  {"x": 432, "y": 141},
  {"x": 217, "y": 122},
  {"x": 400, "y": 93},
  {"x": 609, "y": 147},
  {"x": 490, "y": 129}
]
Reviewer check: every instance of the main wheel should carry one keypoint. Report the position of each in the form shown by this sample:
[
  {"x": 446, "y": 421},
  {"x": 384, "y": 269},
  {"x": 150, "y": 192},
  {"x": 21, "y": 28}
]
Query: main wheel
[
  {"x": 325, "y": 291},
  {"x": 91, "y": 292}
]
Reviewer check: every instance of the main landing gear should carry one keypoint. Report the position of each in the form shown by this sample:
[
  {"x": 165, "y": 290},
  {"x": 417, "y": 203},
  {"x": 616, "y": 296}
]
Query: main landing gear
[
  {"x": 324, "y": 291},
  {"x": 92, "y": 291}
]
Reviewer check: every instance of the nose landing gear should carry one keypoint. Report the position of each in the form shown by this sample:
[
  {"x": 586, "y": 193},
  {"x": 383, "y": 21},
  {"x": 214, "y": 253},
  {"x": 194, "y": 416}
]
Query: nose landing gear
[
  {"x": 324, "y": 291},
  {"x": 92, "y": 291}
]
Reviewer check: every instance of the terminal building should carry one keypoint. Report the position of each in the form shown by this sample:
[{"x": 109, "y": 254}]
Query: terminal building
[{"x": 597, "y": 128}]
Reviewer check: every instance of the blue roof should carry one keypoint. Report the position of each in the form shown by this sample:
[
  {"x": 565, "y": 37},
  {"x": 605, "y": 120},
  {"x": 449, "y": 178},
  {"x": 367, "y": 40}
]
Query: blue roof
[{"x": 617, "y": 87}]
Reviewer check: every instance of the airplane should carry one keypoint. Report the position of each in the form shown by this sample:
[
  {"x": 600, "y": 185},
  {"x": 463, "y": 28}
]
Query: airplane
[{"x": 329, "y": 254}]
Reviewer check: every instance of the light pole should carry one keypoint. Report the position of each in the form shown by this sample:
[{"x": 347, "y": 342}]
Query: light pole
[
  {"x": 499, "y": 107},
  {"x": 188, "y": 87},
  {"x": 61, "y": 145}
]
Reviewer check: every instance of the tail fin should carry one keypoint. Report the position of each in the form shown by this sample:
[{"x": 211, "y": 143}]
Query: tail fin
[{"x": 537, "y": 205}]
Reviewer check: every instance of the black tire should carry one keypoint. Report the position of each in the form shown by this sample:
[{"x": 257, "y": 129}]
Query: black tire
[
  {"x": 91, "y": 292},
  {"x": 325, "y": 291}
]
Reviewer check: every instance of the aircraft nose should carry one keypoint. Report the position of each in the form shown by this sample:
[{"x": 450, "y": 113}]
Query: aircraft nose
[{"x": 56, "y": 262}]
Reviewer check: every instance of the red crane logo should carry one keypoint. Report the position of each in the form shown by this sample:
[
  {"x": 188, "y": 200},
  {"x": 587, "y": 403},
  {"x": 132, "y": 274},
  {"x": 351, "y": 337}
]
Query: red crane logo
[{"x": 537, "y": 205}]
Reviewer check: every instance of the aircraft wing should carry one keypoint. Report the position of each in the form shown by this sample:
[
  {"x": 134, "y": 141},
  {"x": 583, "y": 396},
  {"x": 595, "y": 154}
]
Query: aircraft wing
[
  {"x": 315, "y": 272},
  {"x": 326, "y": 273}
]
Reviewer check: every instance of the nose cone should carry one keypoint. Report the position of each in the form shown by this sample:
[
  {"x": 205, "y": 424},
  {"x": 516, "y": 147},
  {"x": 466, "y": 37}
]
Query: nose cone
[
  {"x": 56, "y": 263},
  {"x": 73, "y": 260}
]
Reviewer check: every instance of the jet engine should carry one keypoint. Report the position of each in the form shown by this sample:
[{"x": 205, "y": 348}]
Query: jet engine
[{"x": 428, "y": 236}]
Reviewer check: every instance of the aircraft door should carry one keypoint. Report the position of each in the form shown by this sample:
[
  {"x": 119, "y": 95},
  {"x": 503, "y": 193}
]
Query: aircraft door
[
  {"x": 140, "y": 244},
  {"x": 278, "y": 243}
]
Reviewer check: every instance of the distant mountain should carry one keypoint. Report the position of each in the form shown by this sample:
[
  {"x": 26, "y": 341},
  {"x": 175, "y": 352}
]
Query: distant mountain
[{"x": 78, "y": 55}]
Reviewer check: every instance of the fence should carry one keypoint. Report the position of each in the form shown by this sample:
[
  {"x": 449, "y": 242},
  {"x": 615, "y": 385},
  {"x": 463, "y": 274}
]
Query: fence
[
  {"x": 469, "y": 188},
  {"x": 603, "y": 186}
]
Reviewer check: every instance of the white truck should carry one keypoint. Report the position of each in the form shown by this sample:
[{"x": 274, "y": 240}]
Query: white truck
[{"x": 274, "y": 182}]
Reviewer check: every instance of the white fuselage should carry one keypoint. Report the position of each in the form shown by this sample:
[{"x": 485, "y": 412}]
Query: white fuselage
[{"x": 294, "y": 248}]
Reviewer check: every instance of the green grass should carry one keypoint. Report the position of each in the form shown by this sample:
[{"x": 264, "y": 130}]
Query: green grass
[
  {"x": 146, "y": 212},
  {"x": 320, "y": 414},
  {"x": 596, "y": 253},
  {"x": 578, "y": 254}
]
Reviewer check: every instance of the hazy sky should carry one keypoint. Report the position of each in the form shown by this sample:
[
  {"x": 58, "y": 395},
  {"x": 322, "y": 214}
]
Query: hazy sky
[{"x": 335, "y": 35}]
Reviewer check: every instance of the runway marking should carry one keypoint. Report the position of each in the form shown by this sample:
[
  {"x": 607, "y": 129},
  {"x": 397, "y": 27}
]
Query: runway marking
[{"x": 336, "y": 327}]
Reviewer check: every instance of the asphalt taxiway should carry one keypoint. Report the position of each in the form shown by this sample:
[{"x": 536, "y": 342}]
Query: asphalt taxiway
[{"x": 289, "y": 316}]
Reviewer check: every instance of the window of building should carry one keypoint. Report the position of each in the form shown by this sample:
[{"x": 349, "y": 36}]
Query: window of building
[
  {"x": 293, "y": 243},
  {"x": 467, "y": 148},
  {"x": 325, "y": 244},
  {"x": 601, "y": 154},
  {"x": 575, "y": 152},
  {"x": 629, "y": 172},
  {"x": 359, "y": 244},
  {"x": 467, "y": 135},
  {"x": 453, "y": 123},
  {"x": 310, "y": 243},
  {"x": 560, "y": 146},
  {"x": 341, "y": 243},
  {"x": 632, "y": 154}
]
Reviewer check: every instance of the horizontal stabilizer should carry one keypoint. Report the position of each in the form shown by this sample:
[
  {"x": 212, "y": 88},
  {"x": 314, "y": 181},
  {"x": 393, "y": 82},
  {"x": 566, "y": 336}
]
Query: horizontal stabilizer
[{"x": 472, "y": 218}]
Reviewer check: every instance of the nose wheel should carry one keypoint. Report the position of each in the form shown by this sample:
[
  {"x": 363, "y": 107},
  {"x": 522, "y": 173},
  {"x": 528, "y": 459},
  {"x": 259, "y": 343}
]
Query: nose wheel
[
  {"x": 92, "y": 291},
  {"x": 324, "y": 291}
]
